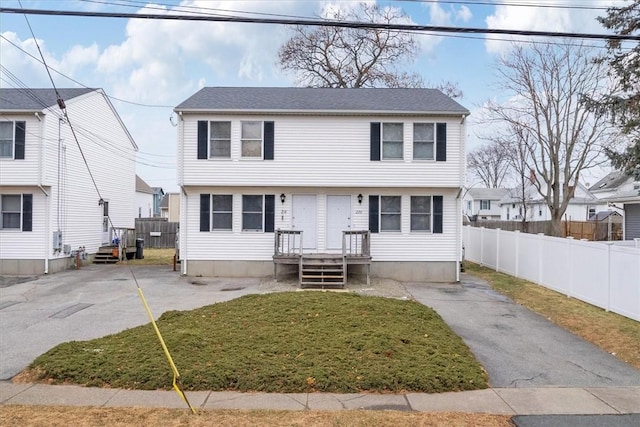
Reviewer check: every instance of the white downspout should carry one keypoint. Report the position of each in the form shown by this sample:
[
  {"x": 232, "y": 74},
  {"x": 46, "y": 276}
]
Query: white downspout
[{"x": 463, "y": 161}]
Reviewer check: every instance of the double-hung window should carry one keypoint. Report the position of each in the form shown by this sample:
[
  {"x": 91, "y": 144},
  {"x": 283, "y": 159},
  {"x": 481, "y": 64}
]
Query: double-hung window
[
  {"x": 390, "y": 213},
  {"x": 421, "y": 213},
  {"x": 11, "y": 207},
  {"x": 220, "y": 140},
  {"x": 6, "y": 139},
  {"x": 221, "y": 212},
  {"x": 251, "y": 139},
  {"x": 423, "y": 141},
  {"x": 252, "y": 218},
  {"x": 16, "y": 212},
  {"x": 485, "y": 205},
  {"x": 392, "y": 141}
]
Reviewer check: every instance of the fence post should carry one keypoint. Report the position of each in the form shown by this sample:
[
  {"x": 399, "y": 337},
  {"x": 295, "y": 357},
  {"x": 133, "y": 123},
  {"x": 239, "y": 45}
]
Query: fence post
[
  {"x": 609, "y": 244},
  {"x": 540, "y": 235},
  {"x": 570, "y": 290},
  {"x": 517, "y": 237},
  {"x": 497, "y": 249},
  {"x": 481, "y": 245}
]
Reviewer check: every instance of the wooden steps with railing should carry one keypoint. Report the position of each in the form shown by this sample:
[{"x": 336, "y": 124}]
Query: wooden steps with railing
[
  {"x": 107, "y": 255},
  {"x": 322, "y": 271}
]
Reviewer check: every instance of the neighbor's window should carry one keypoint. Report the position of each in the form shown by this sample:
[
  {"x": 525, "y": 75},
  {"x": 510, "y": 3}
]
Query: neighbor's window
[
  {"x": 392, "y": 141},
  {"x": 469, "y": 205},
  {"x": 221, "y": 212},
  {"x": 11, "y": 208},
  {"x": 390, "y": 207},
  {"x": 485, "y": 204},
  {"x": 6, "y": 139},
  {"x": 420, "y": 213},
  {"x": 220, "y": 140},
  {"x": 252, "y": 212},
  {"x": 251, "y": 139},
  {"x": 423, "y": 141}
]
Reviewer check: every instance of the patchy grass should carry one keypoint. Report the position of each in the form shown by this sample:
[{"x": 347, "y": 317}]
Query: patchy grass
[
  {"x": 153, "y": 256},
  {"x": 45, "y": 416},
  {"x": 280, "y": 342},
  {"x": 613, "y": 333}
]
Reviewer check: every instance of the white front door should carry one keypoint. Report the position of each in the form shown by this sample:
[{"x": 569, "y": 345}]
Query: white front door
[
  {"x": 106, "y": 236},
  {"x": 338, "y": 220},
  {"x": 304, "y": 218}
]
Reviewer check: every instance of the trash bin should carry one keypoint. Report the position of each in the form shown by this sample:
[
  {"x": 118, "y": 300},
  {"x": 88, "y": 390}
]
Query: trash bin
[{"x": 139, "y": 248}]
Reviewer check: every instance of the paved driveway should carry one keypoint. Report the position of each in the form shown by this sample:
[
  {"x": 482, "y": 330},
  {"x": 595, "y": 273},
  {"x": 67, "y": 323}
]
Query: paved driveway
[
  {"x": 517, "y": 347},
  {"x": 93, "y": 302}
]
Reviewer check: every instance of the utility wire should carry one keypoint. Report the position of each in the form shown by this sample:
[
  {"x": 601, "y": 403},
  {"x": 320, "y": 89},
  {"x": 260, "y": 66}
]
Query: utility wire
[
  {"x": 506, "y": 3},
  {"x": 323, "y": 23}
]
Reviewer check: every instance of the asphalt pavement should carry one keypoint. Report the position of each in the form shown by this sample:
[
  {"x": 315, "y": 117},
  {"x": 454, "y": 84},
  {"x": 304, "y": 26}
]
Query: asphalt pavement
[{"x": 538, "y": 372}]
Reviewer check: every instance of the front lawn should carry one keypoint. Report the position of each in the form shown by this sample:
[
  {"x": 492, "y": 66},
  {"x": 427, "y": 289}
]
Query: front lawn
[{"x": 280, "y": 342}]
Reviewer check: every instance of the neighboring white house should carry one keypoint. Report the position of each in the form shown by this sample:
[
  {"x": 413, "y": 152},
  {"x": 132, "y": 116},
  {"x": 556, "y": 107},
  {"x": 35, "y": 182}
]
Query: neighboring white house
[
  {"x": 483, "y": 203},
  {"x": 49, "y": 205},
  {"x": 255, "y": 161},
  {"x": 582, "y": 206},
  {"x": 144, "y": 199}
]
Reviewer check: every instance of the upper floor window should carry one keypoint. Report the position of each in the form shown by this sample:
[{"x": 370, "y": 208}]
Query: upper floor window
[
  {"x": 251, "y": 139},
  {"x": 220, "y": 140},
  {"x": 390, "y": 213},
  {"x": 392, "y": 141},
  {"x": 12, "y": 137},
  {"x": 469, "y": 205},
  {"x": 423, "y": 141},
  {"x": 485, "y": 204},
  {"x": 420, "y": 213},
  {"x": 6, "y": 139}
]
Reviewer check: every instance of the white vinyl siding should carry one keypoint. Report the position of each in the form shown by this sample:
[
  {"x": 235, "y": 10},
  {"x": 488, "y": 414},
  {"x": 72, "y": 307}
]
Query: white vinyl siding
[
  {"x": 25, "y": 171},
  {"x": 332, "y": 151},
  {"x": 17, "y": 244}
]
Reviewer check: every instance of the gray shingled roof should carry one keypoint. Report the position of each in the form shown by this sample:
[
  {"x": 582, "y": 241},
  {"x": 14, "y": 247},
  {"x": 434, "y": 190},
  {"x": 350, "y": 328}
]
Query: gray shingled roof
[
  {"x": 321, "y": 99},
  {"x": 35, "y": 99},
  {"x": 488, "y": 193},
  {"x": 611, "y": 181},
  {"x": 142, "y": 187}
]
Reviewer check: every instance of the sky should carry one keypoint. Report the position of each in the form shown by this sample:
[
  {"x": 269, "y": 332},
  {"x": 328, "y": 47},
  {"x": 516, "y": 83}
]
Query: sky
[{"x": 148, "y": 67}]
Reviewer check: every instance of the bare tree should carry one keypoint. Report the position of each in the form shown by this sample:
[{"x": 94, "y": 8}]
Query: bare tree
[
  {"x": 340, "y": 57},
  {"x": 490, "y": 163},
  {"x": 558, "y": 133}
]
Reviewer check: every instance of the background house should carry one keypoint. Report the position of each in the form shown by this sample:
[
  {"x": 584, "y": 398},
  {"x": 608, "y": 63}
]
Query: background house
[
  {"x": 158, "y": 195},
  {"x": 582, "y": 205},
  {"x": 49, "y": 205},
  {"x": 144, "y": 199},
  {"x": 170, "y": 207},
  {"x": 483, "y": 203},
  {"x": 252, "y": 161}
]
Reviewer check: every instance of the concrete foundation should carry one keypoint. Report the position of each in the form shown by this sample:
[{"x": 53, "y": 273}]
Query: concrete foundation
[
  {"x": 31, "y": 267},
  {"x": 404, "y": 271}
]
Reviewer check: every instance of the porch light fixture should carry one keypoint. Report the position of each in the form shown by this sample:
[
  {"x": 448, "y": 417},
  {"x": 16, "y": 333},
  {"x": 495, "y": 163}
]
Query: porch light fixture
[
  {"x": 283, "y": 198},
  {"x": 360, "y": 198}
]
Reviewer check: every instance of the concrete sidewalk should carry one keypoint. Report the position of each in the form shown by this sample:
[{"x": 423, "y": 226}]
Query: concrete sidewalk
[{"x": 507, "y": 401}]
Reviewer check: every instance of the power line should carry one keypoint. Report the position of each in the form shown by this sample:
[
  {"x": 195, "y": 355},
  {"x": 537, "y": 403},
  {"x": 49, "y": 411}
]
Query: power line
[
  {"x": 506, "y": 3},
  {"x": 323, "y": 23}
]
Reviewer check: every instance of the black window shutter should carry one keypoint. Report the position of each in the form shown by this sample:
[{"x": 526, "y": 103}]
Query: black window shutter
[
  {"x": 205, "y": 212},
  {"x": 203, "y": 130},
  {"x": 268, "y": 140},
  {"x": 269, "y": 212},
  {"x": 375, "y": 141},
  {"x": 20, "y": 137},
  {"x": 374, "y": 202},
  {"x": 441, "y": 142},
  {"x": 437, "y": 214},
  {"x": 27, "y": 212}
]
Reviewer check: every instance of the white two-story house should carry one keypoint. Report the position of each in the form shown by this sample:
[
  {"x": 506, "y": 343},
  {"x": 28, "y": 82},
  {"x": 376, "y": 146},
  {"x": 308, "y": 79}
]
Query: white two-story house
[
  {"x": 49, "y": 205},
  {"x": 260, "y": 168}
]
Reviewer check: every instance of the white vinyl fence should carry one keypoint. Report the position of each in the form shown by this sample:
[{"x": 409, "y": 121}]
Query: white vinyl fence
[{"x": 600, "y": 273}]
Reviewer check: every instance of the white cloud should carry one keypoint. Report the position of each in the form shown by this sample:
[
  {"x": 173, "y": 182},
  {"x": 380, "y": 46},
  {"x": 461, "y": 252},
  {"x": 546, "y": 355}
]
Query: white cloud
[
  {"x": 438, "y": 15},
  {"x": 464, "y": 14},
  {"x": 541, "y": 19}
]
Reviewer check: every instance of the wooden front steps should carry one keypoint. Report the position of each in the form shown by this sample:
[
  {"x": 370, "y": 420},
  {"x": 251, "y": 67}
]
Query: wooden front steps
[
  {"x": 106, "y": 255},
  {"x": 322, "y": 271}
]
